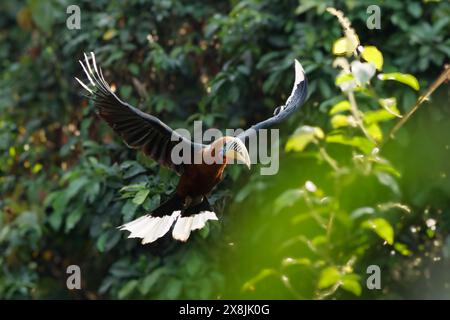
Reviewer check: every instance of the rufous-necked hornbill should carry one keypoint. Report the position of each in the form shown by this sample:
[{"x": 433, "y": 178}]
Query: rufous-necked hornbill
[{"x": 188, "y": 208}]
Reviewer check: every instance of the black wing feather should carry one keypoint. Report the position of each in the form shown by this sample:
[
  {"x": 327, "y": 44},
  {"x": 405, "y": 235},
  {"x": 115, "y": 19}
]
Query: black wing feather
[
  {"x": 138, "y": 129},
  {"x": 294, "y": 102}
]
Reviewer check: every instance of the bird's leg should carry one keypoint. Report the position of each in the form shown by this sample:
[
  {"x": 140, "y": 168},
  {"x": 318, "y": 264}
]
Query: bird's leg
[
  {"x": 187, "y": 202},
  {"x": 190, "y": 201},
  {"x": 197, "y": 200}
]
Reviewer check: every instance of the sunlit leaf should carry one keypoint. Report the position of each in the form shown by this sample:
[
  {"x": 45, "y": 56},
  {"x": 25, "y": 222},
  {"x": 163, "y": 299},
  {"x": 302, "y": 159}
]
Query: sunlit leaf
[
  {"x": 344, "y": 77},
  {"x": 343, "y": 46},
  {"x": 328, "y": 277},
  {"x": 36, "y": 168},
  {"x": 339, "y": 120},
  {"x": 373, "y": 55},
  {"x": 350, "y": 283},
  {"x": 375, "y": 116},
  {"x": 109, "y": 34},
  {"x": 375, "y": 132},
  {"x": 346, "y": 82},
  {"x": 390, "y": 105},
  {"x": 302, "y": 137},
  {"x": 361, "y": 143},
  {"x": 381, "y": 227},
  {"x": 404, "y": 78},
  {"x": 340, "y": 106},
  {"x": 402, "y": 249}
]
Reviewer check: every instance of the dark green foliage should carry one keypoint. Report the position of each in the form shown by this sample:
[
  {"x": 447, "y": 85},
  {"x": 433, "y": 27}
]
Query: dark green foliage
[{"x": 67, "y": 182}]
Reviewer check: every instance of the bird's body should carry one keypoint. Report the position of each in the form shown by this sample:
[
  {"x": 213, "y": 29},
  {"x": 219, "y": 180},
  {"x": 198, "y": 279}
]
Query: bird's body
[
  {"x": 200, "y": 179},
  {"x": 188, "y": 208}
]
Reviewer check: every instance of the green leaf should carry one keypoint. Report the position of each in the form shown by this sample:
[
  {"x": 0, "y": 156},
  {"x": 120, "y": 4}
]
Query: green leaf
[
  {"x": 382, "y": 228},
  {"x": 389, "y": 181},
  {"x": 93, "y": 189},
  {"x": 361, "y": 143},
  {"x": 36, "y": 168},
  {"x": 134, "y": 69},
  {"x": 340, "y": 106},
  {"x": 329, "y": 277},
  {"x": 59, "y": 202},
  {"x": 152, "y": 203},
  {"x": 75, "y": 186},
  {"x": 140, "y": 197},
  {"x": 375, "y": 116},
  {"x": 173, "y": 289},
  {"x": 128, "y": 210},
  {"x": 375, "y": 132},
  {"x": 126, "y": 290},
  {"x": 402, "y": 249},
  {"x": 109, "y": 34},
  {"x": 373, "y": 55},
  {"x": 407, "y": 79},
  {"x": 108, "y": 240},
  {"x": 346, "y": 82},
  {"x": 390, "y": 105},
  {"x": 343, "y": 78},
  {"x": 150, "y": 280},
  {"x": 125, "y": 91},
  {"x": 357, "y": 213},
  {"x": 133, "y": 170},
  {"x": 339, "y": 121},
  {"x": 298, "y": 261},
  {"x": 73, "y": 218},
  {"x": 350, "y": 283},
  {"x": 343, "y": 46},
  {"x": 287, "y": 199},
  {"x": 302, "y": 137},
  {"x": 250, "y": 284},
  {"x": 43, "y": 13},
  {"x": 132, "y": 188}
]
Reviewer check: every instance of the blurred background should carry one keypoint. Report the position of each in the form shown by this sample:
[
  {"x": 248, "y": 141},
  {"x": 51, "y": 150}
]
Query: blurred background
[{"x": 309, "y": 232}]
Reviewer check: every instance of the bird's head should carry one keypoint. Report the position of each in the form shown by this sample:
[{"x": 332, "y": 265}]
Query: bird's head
[{"x": 234, "y": 149}]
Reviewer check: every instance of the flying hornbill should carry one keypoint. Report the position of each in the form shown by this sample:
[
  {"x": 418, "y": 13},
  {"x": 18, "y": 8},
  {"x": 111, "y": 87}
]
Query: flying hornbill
[{"x": 188, "y": 209}]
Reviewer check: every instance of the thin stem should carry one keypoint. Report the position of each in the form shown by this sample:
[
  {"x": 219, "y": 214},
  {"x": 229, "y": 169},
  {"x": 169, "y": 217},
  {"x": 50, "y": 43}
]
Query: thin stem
[
  {"x": 328, "y": 159},
  {"x": 330, "y": 225},
  {"x": 355, "y": 112},
  {"x": 445, "y": 76}
]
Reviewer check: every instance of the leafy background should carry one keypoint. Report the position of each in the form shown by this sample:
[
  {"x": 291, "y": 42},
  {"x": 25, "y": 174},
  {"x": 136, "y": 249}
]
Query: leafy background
[{"x": 311, "y": 231}]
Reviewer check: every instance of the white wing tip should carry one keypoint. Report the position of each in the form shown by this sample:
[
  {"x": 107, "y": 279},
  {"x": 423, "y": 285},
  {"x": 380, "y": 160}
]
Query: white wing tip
[
  {"x": 83, "y": 85},
  {"x": 299, "y": 73},
  {"x": 149, "y": 228}
]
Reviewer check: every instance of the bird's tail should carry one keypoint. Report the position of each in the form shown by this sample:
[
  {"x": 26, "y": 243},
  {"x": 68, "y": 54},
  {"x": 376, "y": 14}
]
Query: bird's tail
[{"x": 172, "y": 212}]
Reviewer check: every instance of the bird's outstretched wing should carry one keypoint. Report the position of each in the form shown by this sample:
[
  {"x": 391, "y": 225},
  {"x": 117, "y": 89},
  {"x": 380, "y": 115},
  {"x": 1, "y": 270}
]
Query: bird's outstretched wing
[
  {"x": 293, "y": 102},
  {"x": 138, "y": 129}
]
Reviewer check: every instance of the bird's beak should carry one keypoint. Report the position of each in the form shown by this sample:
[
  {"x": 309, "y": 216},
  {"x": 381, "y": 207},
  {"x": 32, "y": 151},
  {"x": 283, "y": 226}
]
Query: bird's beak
[{"x": 237, "y": 150}]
